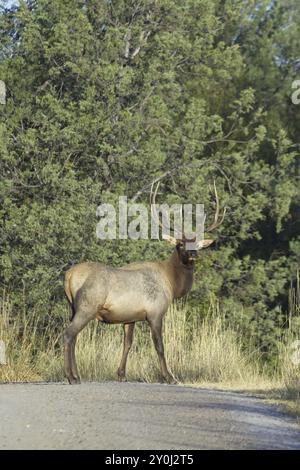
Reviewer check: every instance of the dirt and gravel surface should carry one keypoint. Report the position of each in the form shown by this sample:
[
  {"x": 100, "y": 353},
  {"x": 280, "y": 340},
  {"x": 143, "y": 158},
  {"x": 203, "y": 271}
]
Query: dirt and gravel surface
[{"x": 114, "y": 415}]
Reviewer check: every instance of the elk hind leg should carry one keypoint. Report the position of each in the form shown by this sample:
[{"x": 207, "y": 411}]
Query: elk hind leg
[
  {"x": 79, "y": 321},
  {"x": 128, "y": 337},
  {"x": 73, "y": 361}
]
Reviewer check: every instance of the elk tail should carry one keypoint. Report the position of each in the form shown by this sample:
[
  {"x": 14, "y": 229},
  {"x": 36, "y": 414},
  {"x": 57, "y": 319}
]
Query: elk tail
[
  {"x": 69, "y": 295},
  {"x": 72, "y": 312}
]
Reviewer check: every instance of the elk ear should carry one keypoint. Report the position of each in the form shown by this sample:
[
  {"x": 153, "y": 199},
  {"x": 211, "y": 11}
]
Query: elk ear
[
  {"x": 204, "y": 244},
  {"x": 169, "y": 239}
]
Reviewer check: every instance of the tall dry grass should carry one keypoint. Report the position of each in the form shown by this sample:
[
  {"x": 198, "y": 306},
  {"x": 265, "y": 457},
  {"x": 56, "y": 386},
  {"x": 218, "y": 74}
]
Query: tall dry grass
[
  {"x": 27, "y": 347},
  {"x": 289, "y": 351},
  {"x": 198, "y": 351}
]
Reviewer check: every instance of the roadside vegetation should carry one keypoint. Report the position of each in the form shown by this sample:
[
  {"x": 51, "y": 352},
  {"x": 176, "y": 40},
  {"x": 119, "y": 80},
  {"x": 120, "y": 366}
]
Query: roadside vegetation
[
  {"x": 101, "y": 100},
  {"x": 201, "y": 352}
]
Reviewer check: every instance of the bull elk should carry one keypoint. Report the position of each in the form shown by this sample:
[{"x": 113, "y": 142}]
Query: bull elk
[{"x": 140, "y": 291}]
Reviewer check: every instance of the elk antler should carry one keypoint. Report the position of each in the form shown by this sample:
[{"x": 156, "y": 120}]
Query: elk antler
[
  {"x": 171, "y": 239},
  {"x": 216, "y": 221}
]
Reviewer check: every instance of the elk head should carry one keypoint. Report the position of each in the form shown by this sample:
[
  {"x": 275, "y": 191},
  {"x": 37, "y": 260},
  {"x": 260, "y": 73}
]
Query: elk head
[{"x": 183, "y": 244}]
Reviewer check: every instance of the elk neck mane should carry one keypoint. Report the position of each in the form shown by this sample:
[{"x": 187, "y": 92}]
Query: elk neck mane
[{"x": 180, "y": 276}]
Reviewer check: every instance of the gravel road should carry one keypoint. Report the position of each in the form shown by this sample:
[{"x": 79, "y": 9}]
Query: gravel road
[{"x": 114, "y": 415}]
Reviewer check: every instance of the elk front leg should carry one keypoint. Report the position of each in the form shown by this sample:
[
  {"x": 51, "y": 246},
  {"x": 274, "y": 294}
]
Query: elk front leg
[
  {"x": 128, "y": 336},
  {"x": 156, "y": 332}
]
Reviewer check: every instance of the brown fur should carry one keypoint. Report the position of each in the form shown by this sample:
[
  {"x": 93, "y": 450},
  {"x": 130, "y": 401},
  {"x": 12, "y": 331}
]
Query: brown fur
[{"x": 135, "y": 292}]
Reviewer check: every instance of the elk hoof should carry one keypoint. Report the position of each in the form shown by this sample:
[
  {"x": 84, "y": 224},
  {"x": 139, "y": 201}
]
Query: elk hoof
[
  {"x": 121, "y": 377},
  {"x": 74, "y": 380},
  {"x": 171, "y": 380}
]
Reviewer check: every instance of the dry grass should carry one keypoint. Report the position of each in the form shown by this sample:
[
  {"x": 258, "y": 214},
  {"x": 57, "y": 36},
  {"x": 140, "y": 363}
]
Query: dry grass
[
  {"x": 196, "y": 351},
  {"x": 199, "y": 352},
  {"x": 27, "y": 349}
]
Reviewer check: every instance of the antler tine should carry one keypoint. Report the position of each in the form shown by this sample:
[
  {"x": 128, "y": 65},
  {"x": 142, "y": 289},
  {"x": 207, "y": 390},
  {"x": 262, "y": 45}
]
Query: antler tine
[
  {"x": 216, "y": 221},
  {"x": 153, "y": 196},
  {"x": 153, "y": 208},
  {"x": 155, "y": 192},
  {"x": 153, "y": 202}
]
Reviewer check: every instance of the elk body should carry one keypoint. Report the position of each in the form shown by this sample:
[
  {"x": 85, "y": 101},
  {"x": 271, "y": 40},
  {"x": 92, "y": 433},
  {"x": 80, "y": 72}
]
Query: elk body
[{"x": 136, "y": 292}]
